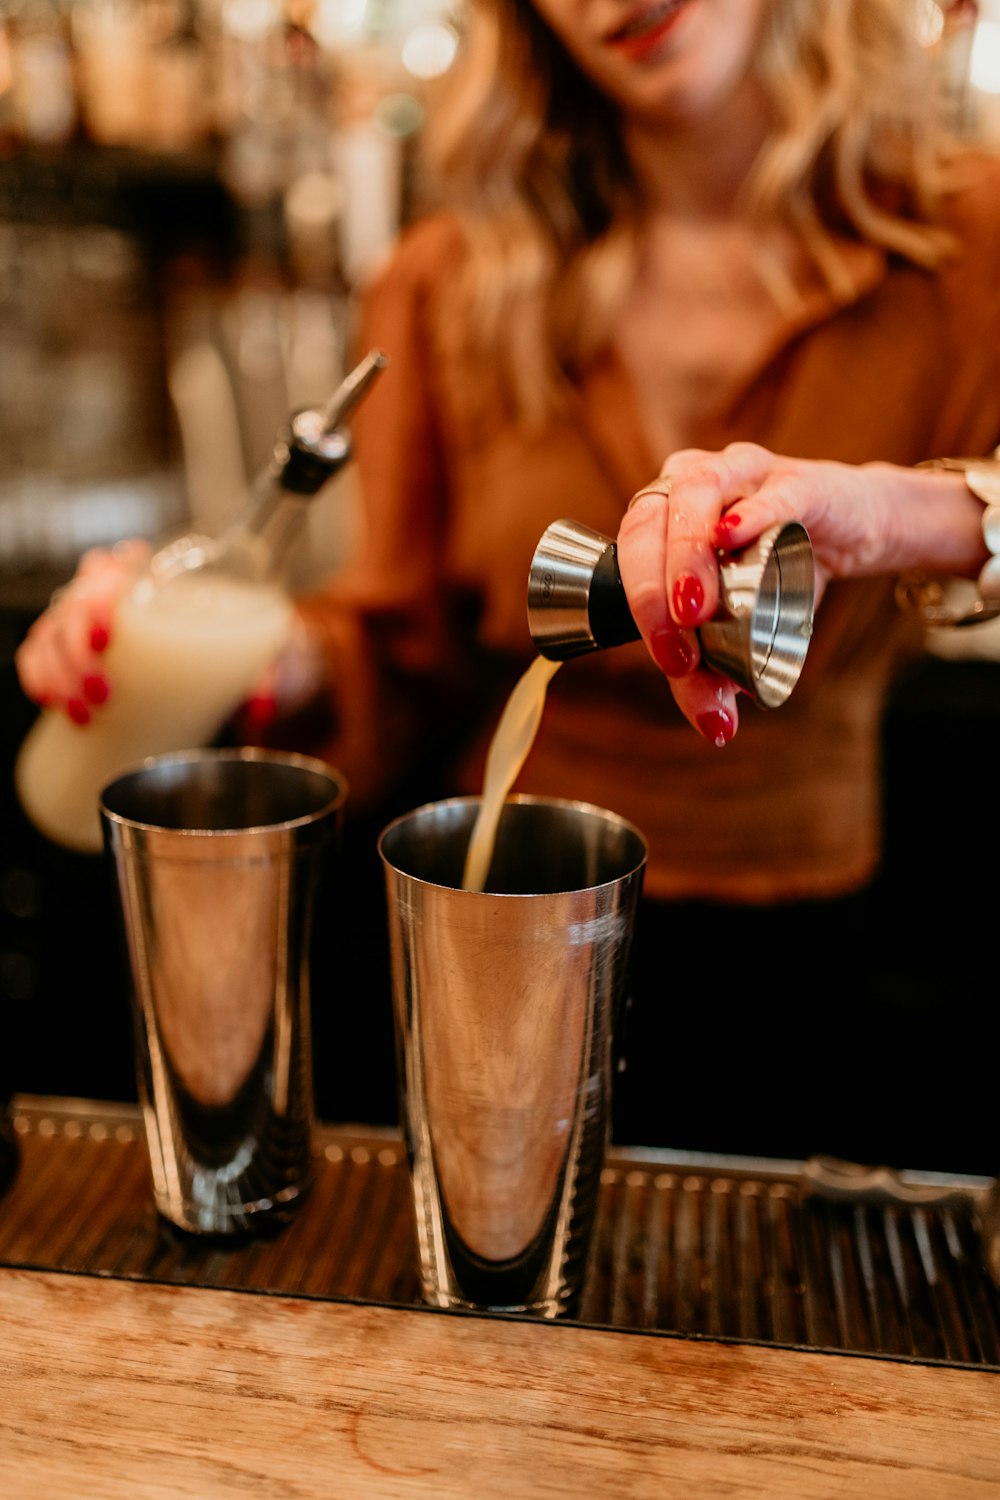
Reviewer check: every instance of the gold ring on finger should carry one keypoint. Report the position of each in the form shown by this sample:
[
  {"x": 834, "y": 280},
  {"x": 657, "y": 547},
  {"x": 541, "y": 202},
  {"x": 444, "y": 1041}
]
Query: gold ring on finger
[{"x": 662, "y": 487}]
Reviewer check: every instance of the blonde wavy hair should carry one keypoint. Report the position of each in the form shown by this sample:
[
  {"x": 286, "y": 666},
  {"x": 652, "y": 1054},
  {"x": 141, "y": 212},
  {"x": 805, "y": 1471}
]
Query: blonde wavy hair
[{"x": 528, "y": 155}]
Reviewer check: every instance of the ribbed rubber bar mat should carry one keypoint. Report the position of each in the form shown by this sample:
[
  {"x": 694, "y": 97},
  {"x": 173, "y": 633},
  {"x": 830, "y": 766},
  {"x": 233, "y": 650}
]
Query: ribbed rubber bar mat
[{"x": 697, "y": 1247}]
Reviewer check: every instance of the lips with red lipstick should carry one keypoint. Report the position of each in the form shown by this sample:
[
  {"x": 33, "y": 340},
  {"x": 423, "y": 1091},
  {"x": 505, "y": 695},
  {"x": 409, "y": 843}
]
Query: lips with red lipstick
[{"x": 646, "y": 29}]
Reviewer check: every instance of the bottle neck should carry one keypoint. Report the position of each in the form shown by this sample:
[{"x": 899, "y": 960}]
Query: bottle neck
[
  {"x": 271, "y": 520},
  {"x": 316, "y": 446}
]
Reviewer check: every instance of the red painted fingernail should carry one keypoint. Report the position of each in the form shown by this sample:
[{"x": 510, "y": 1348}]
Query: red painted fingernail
[
  {"x": 689, "y": 596},
  {"x": 671, "y": 653},
  {"x": 727, "y": 523},
  {"x": 78, "y": 710},
  {"x": 717, "y": 726},
  {"x": 261, "y": 712},
  {"x": 95, "y": 688},
  {"x": 99, "y": 637}
]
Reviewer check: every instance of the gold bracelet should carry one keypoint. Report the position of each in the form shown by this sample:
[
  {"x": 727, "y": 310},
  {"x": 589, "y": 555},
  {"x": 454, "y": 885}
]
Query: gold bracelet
[{"x": 927, "y": 595}]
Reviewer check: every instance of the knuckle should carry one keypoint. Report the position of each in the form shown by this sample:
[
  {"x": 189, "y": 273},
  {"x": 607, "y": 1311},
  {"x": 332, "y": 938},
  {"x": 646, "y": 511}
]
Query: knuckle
[
  {"x": 709, "y": 469},
  {"x": 743, "y": 450},
  {"x": 682, "y": 459},
  {"x": 647, "y": 602}
]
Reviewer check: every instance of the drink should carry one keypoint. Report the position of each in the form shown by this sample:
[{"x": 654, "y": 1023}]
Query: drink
[
  {"x": 194, "y": 636},
  {"x": 512, "y": 740},
  {"x": 231, "y": 629}
]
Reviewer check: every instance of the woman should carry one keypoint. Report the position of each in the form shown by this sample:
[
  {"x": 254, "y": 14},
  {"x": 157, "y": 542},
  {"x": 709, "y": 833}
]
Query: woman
[{"x": 657, "y": 228}]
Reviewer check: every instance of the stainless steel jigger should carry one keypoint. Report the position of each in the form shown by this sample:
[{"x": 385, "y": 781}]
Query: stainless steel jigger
[{"x": 758, "y": 637}]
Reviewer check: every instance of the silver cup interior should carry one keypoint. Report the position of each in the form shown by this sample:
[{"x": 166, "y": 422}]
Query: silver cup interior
[
  {"x": 761, "y": 632},
  {"x": 543, "y": 846},
  {"x": 219, "y": 791}
]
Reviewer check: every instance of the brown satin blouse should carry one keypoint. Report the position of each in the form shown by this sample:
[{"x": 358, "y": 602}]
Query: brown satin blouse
[{"x": 427, "y": 629}]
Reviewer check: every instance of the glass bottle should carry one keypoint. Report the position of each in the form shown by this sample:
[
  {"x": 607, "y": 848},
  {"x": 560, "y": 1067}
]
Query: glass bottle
[
  {"x": 192, "y": 637},
  {"x": 43, "y": 86}
]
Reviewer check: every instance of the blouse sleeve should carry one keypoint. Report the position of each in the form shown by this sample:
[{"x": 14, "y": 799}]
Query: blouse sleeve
[
  {"x": 967, "y": 420},
  {"x": 396, "y": 631}
]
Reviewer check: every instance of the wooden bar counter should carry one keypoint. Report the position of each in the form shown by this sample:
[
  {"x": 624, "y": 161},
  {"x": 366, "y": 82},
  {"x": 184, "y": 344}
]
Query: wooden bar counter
[
  {"x": 123, "y": 1391},
  {"x": 736, "y": 1340}
]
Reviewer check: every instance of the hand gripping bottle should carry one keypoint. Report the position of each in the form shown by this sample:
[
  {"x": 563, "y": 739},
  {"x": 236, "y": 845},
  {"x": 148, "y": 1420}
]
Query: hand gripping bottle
[{"x": 200, "y": 626}]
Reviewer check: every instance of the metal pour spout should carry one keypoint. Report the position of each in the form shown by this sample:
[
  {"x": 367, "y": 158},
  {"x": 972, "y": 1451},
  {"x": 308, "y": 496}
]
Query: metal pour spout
[
  {"x": 354, "y": 386},
  {"x": 318, "y": 442}
]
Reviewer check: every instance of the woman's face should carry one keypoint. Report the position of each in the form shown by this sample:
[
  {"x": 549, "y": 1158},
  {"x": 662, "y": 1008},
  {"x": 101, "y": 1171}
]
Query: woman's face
[{"x": 668, "y": 60}]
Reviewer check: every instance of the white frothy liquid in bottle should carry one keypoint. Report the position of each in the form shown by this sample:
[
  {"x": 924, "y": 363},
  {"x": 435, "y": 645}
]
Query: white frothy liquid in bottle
[
  {"x": 182, "y": 657},
  {"x": 512, "y": 739},
  {"x": 194, "y": 636}
]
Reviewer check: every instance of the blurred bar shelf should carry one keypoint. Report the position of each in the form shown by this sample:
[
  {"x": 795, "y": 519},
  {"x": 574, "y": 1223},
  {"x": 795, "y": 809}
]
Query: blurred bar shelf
[
  {"x": 172, "y": 200},
  {"x": 691, "y": 1246}
]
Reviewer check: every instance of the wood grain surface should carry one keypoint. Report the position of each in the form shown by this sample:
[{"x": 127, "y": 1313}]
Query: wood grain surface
[{"x": 136, "y": 1391}]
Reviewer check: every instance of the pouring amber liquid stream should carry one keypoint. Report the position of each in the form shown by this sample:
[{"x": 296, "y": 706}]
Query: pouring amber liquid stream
[{"x": 509, "y": 747}]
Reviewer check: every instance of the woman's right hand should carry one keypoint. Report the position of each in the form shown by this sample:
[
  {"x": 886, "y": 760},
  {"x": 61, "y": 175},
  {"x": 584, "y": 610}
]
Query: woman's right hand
[
  {"x": 60, "y": 663},
  {"x": 863, "y": 519}
]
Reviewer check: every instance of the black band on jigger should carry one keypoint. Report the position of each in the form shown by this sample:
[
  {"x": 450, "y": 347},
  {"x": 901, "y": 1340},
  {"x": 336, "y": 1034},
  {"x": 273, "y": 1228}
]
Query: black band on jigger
[
  {"x": 611, "y": 622},
  {"x": 302, "y": 470}
]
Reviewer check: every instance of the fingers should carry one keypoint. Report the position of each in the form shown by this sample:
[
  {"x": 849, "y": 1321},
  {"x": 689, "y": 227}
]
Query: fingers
[
  {"x": 642, "y": 560},
  {"x": 44, "y": 671},
  {"x": 61, "y": 663},
  {"x": 668, "y": 548},
  {"x": 708, "y": 702},
  {"x": 840, "y": 505},
  {"x": 292, "y": 681},
  {"x": 259, "y": 711},
  {"x": 781, "y": 499},
  {"x": 57, "y": 664},
  {"x": 670, "y": 535}
]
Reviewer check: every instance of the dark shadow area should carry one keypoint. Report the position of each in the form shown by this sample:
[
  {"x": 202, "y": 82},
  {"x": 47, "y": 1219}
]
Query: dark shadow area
[{"x": 858, "y": 1028}]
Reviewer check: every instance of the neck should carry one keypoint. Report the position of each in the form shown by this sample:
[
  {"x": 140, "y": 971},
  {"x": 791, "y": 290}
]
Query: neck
[{"x": 699, "y": 171}]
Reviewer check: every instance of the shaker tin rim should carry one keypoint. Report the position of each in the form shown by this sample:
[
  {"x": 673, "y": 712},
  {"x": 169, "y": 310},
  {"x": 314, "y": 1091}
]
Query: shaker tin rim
[
  {"x": 243, "y": 753},
  {"x": 568, "y": 804}
]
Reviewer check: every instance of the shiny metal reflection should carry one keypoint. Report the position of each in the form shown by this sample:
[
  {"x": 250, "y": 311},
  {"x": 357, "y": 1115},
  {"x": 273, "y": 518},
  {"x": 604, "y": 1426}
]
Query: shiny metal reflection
[
  {"x": 216, "y": 855},
  {"x": 505, "y": 1004},
  {"x": 572, "y": 572},
  {"x": 761, "y": 631},
  {"x": 759, "y": 635}
]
